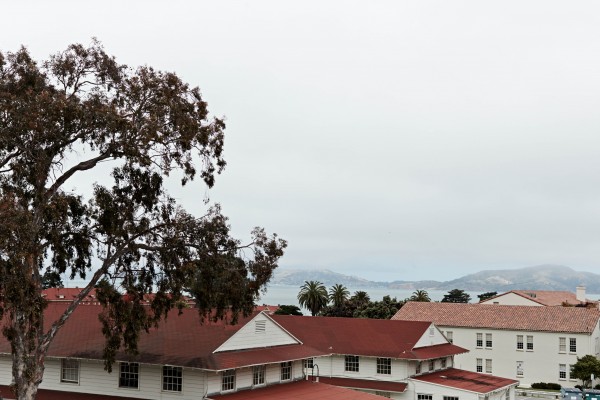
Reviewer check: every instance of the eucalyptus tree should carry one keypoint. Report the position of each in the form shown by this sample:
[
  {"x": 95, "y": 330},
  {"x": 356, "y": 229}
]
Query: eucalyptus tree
[
  {"x": 338, "y": 294},
  {"x": 68, "y": 115},
  {"x": 313, "y": 296}
]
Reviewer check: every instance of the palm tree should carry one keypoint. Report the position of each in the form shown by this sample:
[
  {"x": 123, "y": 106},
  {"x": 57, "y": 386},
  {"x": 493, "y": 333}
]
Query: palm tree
[
  {"x": 420, "y": 295},
  {"x": 361, "y": 298},
  {"x": 313, "y": 296},
  {"x": 338, "y": 294}
]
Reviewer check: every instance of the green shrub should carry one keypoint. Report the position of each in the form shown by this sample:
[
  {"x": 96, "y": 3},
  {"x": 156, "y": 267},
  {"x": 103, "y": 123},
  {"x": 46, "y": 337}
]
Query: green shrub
[{"x": 544, "y": 385}]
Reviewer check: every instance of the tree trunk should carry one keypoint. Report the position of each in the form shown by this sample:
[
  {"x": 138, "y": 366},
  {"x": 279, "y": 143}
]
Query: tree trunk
[{"x": 27, "y": 357}]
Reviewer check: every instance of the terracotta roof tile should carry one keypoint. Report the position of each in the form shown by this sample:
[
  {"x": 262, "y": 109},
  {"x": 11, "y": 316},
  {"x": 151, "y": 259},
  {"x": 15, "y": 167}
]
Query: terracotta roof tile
[
  {"x": 466, "y": 380},
  {"x": 541, "y": 319},
  {"x": 45, "y": 394},
  {"x": 300, "y": 390}
]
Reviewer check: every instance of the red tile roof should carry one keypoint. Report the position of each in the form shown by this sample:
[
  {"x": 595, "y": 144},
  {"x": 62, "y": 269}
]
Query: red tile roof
[
  {"x": 466, "y": 380},
  {"x": 67, "y": 294},
  {"x": 383, "y": 386},
  {"x": 363, "y": 337},
  {"x": 265, "y": 355},
  {"x": 541, "y": 319},
  {"x": 300, "y": 390},
  {"x": 546, "y": 297}
]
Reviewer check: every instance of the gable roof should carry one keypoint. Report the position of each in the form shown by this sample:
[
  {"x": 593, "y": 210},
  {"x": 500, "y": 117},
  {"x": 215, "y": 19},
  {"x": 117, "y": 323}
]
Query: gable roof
[
  {"x": 527, "y": 318},
  {"x": 545, "y": 297},
  {"x": 299, "y": 390},
  {"x": 466, "y": 380},
  {"x": 364, "y": 337}
]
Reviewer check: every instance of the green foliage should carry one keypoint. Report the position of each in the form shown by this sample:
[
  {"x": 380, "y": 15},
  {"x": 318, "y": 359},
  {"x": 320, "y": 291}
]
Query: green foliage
[
  {"x": 547, "y": 386},
  {"x": 65, "y": 116},
  {"x": 420, "y": 295},
  {"x": 384, "y": 309},
  {"x": 338, "y": 294},
  {"x": 456, "y": 296},
  {"x": 285, "y": 309},
  {"x": 313, "y": 296},
  {"x": 486, "y": 295},
  {"x": 584, "y": 368}
]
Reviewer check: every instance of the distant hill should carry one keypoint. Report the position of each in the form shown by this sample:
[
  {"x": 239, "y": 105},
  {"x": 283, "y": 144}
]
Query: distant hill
[{"x": 541, "y": 277}]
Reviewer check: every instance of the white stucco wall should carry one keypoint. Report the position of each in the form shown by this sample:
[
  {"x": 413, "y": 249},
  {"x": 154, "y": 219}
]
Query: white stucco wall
[
  {"x": 539, "y": 365},
  {"x": 438, "y": 392},
  {"x": 512, "y": 299}
]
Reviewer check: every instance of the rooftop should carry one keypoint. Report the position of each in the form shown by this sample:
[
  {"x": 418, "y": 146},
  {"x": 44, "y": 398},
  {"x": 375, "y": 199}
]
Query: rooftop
[
  {"x": 546, "y": 297},
  {"x": 541, "y": 319},
  {"x": 466, "y": 380}
]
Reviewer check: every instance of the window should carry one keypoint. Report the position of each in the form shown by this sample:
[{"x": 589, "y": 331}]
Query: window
[
  {"x": 228, "y": 380},
  {"x": 431, "y": 331},
  {"x": 258, "y": 375},
  {"x": 450, "y": 398},
  {"x": 529, "y": 343},
  {"x": 309, "y": 363},
  {"x": 129, "y": 375},
  {"x": 520, "y": 369},
  {"x": 479, "y": 365},
  {"x": 520, "y": 342},
  {"x": 572, "y": 345},
  {"x": 384, "y": 366},
  {"x": 443, "y": 363},
  {"x": 351, "y": 363},
  {"x": 479, "y": 341},
  {"x": 562, "y": 371},
  {"x": 172, "y": 378},
  {"x": 69, "y": 371},
  {"x": 286, "y": 371},
  {"x": 424, "y": 397},
  {"x": 418, "y": 370},
  {"x": 488, "y": 340},
  {"x": 387, "y": 395},
  {"x": 562, "y": 345},
  {"x": 488, "y": 366},
  {"x": 449, "y": 336}
]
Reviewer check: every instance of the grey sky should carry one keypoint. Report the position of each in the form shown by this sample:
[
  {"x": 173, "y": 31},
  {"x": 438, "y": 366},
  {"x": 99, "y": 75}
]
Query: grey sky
[{"x": 386, "y": 139}]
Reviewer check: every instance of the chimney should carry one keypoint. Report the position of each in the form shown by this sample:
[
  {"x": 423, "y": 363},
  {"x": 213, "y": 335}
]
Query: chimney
[{"x": 580, "y": 294}]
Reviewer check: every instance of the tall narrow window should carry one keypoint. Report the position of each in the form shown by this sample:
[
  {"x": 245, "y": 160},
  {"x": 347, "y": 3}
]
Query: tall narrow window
[
  {"x": 562, "y": 345},
  {"x": 450, "y": 336},
  {"x": 286, "y": 371},
  {"x": 520, "y": 369},
  {"x": 529, "y": 343},
  {"x": 488, "y": 340},
  {"x": 69, "y": 370},
  {"x": 309, "y": 363},
  {"x": 431, "y": 365},
  {"x": 443, "y": 363},
  {"x": 488, "y": 366},
  {"x": 129, "y": 375},
  {"x": 562, "y": 371},
  {"x": 479, "y": 365},
  {"x": 258, "y": 375},
  {"x": 418, "y": 369},
  {"x": 351, "y": 363},
  {"x": 520, "y": 342},
  {"x": 228, "y": 380},
  {"x": 384, "y": 366},
  {"x": 172, "y": 378},
  {"x": 572, "y": 345},
  {"x": 479, "y": 340}
]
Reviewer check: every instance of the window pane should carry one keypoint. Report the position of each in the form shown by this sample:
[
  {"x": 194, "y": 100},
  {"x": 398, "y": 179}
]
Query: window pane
[
  {"x": 488, "y": 340},
  {"x": 384, "y": 366},
  {"x": 572, "y": 345},
  {"x": 562, "y": 345},
  {"x": 529, "y": 342},
  {"x": 351, "y": 363},
  {"x": 259, "y": 375},
  {"x": 519, "y": 342},
  {"x": 228, "y": 380},
  {"x": 129, "y": 375},
  {"x": 286, "y": 371},
  {"x": 69, "y": 371},
  {"x": 172, "y": 378}
]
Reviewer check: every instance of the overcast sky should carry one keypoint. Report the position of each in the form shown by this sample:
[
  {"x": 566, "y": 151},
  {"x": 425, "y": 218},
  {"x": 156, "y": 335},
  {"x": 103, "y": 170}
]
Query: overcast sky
[{"x": 392, "y": 140}]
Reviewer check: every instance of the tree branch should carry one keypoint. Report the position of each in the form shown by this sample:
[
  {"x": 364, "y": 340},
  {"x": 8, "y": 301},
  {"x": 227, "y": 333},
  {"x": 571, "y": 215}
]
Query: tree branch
[{"x": 82, "y": 166}]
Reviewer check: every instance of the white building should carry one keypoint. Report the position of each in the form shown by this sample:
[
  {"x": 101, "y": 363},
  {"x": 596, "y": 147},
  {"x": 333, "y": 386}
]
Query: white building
[
  {"x": 530, "y": 344},
  {"x": 264, "y": 356},
  {"x": 541, "y": 298}
]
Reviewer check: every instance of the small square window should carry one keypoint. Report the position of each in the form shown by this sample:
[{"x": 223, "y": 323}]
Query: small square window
[
  {"x": 129, "y": 375},
  {"x": 351, "y": 363},
  {"x": 172, "y": 378},
  {"x": 384, "y": 366}
]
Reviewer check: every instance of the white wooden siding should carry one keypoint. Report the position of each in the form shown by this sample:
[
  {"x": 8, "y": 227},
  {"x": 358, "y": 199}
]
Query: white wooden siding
[
  {"x": 431, "y": 339},
  {"x": 248, "y": 338},
  {"x": 512, "y": 299}
]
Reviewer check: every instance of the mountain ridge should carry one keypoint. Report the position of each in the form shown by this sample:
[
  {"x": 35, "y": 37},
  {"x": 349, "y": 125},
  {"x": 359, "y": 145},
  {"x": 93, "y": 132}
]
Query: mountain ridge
[{"x": 540, "y": 277}]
